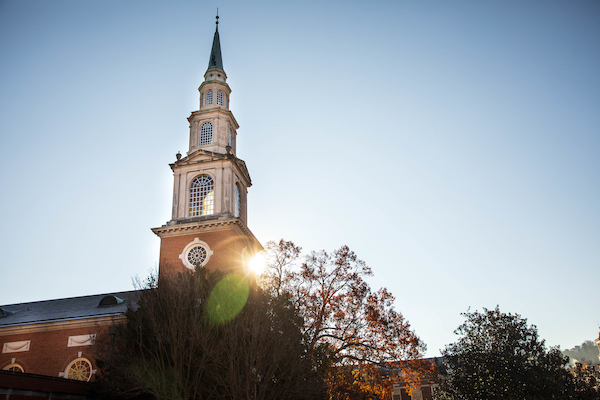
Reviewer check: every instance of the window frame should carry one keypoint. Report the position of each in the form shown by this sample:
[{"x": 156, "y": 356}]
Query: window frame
[
  {"x": 14, "y": 365},
  {"x": 191, "y": 246},
  {"x": 206, "y": 135},
  {"x": 72, "y": 363},
  {"x": 237, "y": 201},
  {"x": 196, "y": 199}
]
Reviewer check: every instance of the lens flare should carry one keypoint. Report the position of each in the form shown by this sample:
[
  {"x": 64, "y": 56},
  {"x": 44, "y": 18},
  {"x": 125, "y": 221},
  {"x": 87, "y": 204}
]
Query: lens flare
[
  {"x": 258, "y": 263},
  {"x": 227, "y": 299}
]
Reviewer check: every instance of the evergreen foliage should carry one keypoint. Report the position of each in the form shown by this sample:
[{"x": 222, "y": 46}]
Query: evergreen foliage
[{"x": 500, "y": 357}]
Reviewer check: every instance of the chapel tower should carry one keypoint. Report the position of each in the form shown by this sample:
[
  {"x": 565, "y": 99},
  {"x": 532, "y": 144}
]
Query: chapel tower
[{"x": 209, "y": 220}]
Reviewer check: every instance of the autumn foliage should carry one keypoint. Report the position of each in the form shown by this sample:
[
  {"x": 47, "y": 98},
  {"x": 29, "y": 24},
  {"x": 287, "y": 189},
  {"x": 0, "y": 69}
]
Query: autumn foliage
[
  {"x": 354, "y": 329},
  {"x": 310, "y": 328}
]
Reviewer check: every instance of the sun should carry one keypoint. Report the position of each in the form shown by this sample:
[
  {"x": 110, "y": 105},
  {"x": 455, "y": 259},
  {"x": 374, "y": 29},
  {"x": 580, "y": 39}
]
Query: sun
[{"x": 258, "y": 263}]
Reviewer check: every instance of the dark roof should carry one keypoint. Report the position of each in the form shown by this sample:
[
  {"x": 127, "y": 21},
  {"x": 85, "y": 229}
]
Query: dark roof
[
  {"x": 72, "y": 308},
  {"x": 215, "y": 60}
]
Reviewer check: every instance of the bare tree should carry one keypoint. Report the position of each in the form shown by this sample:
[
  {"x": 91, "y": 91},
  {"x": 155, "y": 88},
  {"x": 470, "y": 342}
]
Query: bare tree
[{"x": 202, "y": 335}]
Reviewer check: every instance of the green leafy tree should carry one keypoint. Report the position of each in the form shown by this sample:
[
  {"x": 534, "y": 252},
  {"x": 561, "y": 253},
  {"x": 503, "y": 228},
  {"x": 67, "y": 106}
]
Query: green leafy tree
[{"x": 500, "y": 356}]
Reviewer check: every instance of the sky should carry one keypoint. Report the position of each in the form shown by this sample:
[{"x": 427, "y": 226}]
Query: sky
[{"x": 454, "y": 146}]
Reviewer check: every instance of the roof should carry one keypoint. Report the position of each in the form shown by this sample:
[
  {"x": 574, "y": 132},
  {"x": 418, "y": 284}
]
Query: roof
[
  {"x": 215, "y": 60},
  {"x": 72, "y": 308}
]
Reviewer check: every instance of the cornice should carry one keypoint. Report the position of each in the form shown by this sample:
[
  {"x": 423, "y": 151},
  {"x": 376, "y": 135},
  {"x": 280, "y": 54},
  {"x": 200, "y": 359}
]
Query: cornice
[
  {"x": 218, "y": 110},
  {"x": 197, "y": 152},
  {"x": 237, "y": 162},
  {"x": 215, "y": 81},
  {"x": 62, "y": 324},
  {"x": 204, "y": 226}
]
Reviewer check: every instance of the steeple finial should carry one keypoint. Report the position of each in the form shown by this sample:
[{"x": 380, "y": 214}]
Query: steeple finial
[{"x": 216, "y": 60}]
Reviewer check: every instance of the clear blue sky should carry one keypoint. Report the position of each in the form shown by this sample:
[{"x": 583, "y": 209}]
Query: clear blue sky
[{"x": 454, "y": 146}]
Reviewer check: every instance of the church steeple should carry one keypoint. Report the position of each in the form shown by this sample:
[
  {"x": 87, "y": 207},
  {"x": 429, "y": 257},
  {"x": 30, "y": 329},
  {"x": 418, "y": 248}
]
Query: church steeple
[
  {"x": 209, "y": 218},
  {"x": 216, "y": 61}
]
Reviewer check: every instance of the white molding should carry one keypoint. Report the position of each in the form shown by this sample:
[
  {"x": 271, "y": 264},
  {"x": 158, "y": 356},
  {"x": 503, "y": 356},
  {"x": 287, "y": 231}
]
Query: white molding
[
  {"x": 15, "y": 347},
  {"x": 207, "y": 225},
  {"x": 196, "y": 241},
  {"x": 81, "y": 340}
]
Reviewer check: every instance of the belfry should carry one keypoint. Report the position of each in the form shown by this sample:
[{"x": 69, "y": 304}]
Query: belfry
[{"x": 208, "y": 226}]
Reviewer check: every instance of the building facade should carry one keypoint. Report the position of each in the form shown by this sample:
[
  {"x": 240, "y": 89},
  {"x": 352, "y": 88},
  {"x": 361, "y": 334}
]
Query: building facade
[
  {"x": 60, "y": 337},
  {"x": 208, "y": 228}
]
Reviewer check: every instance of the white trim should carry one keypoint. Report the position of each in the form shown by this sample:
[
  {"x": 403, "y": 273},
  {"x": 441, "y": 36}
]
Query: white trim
[
  {"x": 12, "y": 365},
  {"x": 15, "y": 347},
  {"x": 194, "y": 243},
  {"x": 81, "y": 340}
]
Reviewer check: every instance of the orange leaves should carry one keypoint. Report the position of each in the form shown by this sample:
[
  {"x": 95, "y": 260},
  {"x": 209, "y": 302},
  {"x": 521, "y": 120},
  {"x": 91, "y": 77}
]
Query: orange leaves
[
  {"x": 362, "y": 381},
  {"x": 358, "y": 327}
]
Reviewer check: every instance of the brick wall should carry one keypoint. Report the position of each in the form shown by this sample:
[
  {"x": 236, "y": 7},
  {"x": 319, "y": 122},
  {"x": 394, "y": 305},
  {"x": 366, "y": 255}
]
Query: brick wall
[
  {"x": 227, "y": 246},
  {"x": 49, "y": 353}
]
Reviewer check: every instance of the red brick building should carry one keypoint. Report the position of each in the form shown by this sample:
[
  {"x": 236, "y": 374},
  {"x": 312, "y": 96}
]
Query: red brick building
[{"x": 59, "y": 338}]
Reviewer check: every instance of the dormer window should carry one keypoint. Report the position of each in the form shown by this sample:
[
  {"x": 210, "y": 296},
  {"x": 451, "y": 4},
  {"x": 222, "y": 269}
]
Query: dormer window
[
  {"x": 220, "y": 98},
  {"x": 110, "y": 300},
  {"x": 209, "y": 97},
  {"x": 206, "y": 132}
]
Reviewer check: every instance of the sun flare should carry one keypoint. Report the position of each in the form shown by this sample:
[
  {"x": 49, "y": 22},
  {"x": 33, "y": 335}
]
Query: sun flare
[{"x": 258, "y": 263}]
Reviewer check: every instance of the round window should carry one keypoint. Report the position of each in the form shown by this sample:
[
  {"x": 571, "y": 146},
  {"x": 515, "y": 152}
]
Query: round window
[
  {"x": 195, "y": 254},
  {"x": 79, "y": 370}
]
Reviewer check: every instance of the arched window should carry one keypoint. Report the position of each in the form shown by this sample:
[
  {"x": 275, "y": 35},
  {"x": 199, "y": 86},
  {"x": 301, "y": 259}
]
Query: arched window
[
  {"x": 237, "y": 205},
  {"x": 79, "y": 369},
  {"x": 14, "y": 368},
  {"x": 230, "y": 138},
  {"x": 206, "y": 133},
  {"x": 202, "y": 196},
  {"x": 220, "y": 98},
  {"x": 227, "y": 101},
  {"x": 201, "y": 100},
  {"x": 209, "y": 96}
]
